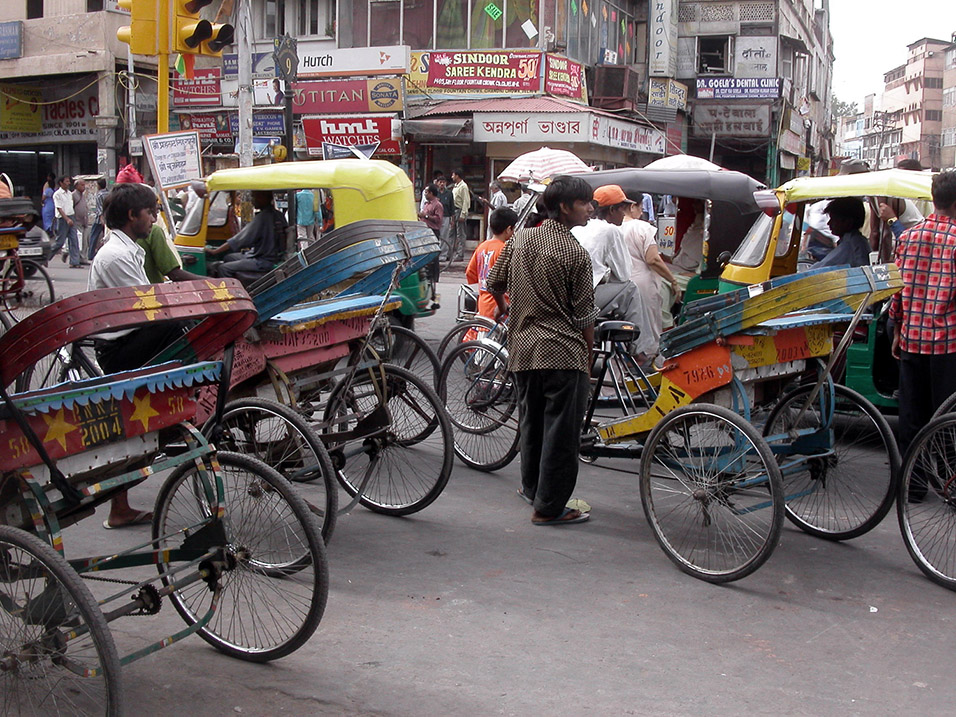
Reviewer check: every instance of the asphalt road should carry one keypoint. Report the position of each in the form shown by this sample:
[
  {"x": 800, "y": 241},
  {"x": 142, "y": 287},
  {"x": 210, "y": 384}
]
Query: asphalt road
[{"x": 467, "y": 609}]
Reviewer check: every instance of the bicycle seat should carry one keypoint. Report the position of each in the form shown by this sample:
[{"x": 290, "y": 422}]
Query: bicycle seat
[{"x": 616, "y": 331}]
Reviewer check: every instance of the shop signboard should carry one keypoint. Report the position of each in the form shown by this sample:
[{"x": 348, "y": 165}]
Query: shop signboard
[
  {"x": 738, "y": 88},
  {"x": 565, "y": 78},
  {"x": 212, "y": 128},
  {"x": 174, "y": 158},
  {"x": 665, "y": 92},
  {"x": 11, "y": 40},
  {"x": 203, "y": 90},
  {"x": 264, "y": 124},
  {"x": 725, "y": 120},
  {"x": 506, "y": 72},
  {"x": 542, "y": 127},
  {"x": 60, "y": 120},
  {"x": 662, "y": 34},
  {"x": 383, "y": 94},
  {"x": 755, "y": 56},
  {"x": 791, "y": 142},
  {"x": 263, "y": 65},
  {"x": 352, "y": 130},
  {"x": 351, "y": 61},
  {"x": 666, "y": 235},
  {"x": 629, "y": 136}
]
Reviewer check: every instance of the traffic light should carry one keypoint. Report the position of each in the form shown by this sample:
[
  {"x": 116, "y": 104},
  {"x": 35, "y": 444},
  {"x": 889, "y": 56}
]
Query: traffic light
[
  {"x": 146, "y": 33},
  {"x": 196, "y": 36}
]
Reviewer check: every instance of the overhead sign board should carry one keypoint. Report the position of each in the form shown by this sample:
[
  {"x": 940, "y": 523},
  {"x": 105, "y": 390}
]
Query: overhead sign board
[
  {"x": 352, "y": 130},
  {"x": 732, "y": 120},
  {"x": 383, "y": 94},
  {"x": 353, "y": 61},
  {"x": 738, "y": 88},
  {"x": 203, "y": 90},
  {"x": 11, "y": 40}
]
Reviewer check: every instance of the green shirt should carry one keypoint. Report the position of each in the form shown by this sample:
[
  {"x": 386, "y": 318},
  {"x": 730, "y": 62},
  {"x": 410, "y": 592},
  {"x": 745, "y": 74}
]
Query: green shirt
[
  {"x": 161, "y": 256},
  {"x": 462, "y": 199}
]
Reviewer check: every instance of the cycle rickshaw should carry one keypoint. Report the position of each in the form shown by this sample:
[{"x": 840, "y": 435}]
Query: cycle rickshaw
[
  {"x": 714, "y": 488},
  {"x": 232, "y": 543}
]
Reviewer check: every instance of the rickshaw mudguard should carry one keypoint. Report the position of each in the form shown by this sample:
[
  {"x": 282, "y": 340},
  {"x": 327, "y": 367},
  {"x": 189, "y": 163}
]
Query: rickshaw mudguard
[{"x": 222, "y": 308}]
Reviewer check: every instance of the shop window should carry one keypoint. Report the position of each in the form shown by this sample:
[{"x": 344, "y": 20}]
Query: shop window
[
  {"x": 933, "y": 83},
  {"x": 452, "y": 30},
  {"x": 933, "y": 115},
  {"x": 34, "y": 9},
  {"x": 315, "y": 18},
  {"x": 418, "y": 23},
  {"x": 486, "y": 23},
  {"x": 714, "y": 55},
  {"x": 94, "y": 5},
  {"x": 274, "y": 18},
  {"x": 385, "y": 22}
]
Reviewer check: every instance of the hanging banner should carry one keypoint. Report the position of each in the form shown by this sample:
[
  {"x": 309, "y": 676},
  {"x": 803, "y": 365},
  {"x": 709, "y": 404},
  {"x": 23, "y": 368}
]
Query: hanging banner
[
  {"x": 565, "y": 78},
  {"x": 662, "y": 32},
  {"x": 512, "y": 71}
]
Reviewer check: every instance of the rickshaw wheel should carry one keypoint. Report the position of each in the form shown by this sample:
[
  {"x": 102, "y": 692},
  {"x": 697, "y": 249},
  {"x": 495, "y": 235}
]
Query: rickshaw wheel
[
  {"x": 479, "y": 394},
  {"x": 404, "y": 461},
  {"x": 482, "y": 328},
  {"x": 282, "y": 439},
  {"x": 44, "y": 601},
  {"x": 926, "y": 502},
  {"x": 841, "y": 480},
  {"x": 274, "y": 584},
  {"x": 403, "y": 347},
  {"x": 712, "y": 492}
]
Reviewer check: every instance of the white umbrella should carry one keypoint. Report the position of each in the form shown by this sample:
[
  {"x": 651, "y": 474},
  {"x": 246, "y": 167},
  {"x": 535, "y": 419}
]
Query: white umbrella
[
  {"x": 682, "y": 161},
  {"x": 541, "y": 165}
]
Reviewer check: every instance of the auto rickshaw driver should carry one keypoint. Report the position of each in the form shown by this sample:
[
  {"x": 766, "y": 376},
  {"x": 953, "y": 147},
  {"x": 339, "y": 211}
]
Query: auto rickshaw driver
[{"x": 264, "y": 238}]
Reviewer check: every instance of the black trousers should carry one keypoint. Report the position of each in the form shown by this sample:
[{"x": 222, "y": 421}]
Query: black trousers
[
  {"x": 133, "y": 350},
  {"x": 551, "y": 405},
  {"x": 926, "y": 380}
]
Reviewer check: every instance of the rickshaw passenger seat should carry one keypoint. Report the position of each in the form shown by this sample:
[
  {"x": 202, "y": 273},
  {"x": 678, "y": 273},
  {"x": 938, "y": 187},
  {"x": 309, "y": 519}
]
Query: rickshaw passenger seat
[{"x": 616, "y": 331}]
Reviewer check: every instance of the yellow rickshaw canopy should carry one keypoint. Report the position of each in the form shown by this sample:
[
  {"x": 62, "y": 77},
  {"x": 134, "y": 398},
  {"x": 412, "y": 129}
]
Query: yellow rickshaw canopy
[{"x": 884, "y": 183}]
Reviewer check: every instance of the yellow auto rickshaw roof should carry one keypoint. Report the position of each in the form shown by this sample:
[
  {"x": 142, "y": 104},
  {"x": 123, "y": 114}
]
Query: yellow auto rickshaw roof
[
  {"x": 373, "y": 177},
  {"x": 884, "y": 183}
]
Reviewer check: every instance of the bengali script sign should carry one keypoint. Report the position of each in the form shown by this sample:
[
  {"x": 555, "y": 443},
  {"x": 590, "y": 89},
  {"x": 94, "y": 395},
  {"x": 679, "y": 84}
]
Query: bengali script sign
[
  {"x": 564, "y": 78},
  {"x": 517, "y": 71},
  {"x": 738, "y": 88},
  {"x": 732, "y": 120},
  {"x": 174, "y": 158},
  {"x": 530, "y": 127}
]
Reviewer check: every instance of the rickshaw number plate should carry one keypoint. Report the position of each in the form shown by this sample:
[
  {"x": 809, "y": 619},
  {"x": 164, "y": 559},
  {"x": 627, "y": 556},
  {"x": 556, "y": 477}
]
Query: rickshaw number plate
[
  {"x": 100, "y": 423},
  {"x": 30, "y": 251}
]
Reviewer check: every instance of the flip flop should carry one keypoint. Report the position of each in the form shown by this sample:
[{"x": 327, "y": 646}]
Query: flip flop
[
  {"x": 142, "y": 517},
  {"x": 567, "y": 517},
  {"x": 523, "y": 497}
]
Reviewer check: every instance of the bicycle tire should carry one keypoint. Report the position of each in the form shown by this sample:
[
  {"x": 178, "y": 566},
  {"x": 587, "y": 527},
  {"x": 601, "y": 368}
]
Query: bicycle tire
[
  {"x": 407, "y": 349},
  {"x": 483, "y": 327},
  {"x": 712, "y": 495},
  {"x": 283, "y": 440},
  {"x": 846, "y": 488},
  {"x": 947, "y": 406},
  {"x": 56, "y": 633},
  {"x": 479, "y": 394},
  {"x": 37, "y": 291},
  {"x": 410, "y": 460},
  {"x": 926, "y": 502},
  {"x": 69, "y": 363},
  {"x": 278, "y": 558}
]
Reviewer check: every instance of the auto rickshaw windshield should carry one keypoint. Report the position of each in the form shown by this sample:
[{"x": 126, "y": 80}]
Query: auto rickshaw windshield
[{"x": 753, "y": 248}]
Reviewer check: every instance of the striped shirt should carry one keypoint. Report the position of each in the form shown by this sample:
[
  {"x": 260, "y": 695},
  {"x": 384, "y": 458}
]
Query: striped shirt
[{"x": 925, "y": 310}]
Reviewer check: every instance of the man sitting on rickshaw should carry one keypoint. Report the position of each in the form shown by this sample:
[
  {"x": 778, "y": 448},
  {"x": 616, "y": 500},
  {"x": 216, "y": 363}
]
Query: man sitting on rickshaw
[
  {"x": 264, "y": 238},
  {"x": 846, "y": 219}
]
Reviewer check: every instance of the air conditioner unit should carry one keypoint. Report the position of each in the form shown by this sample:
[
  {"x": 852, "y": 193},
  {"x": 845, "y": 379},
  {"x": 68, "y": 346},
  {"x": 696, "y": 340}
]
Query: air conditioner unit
[{"x": 616, "y": 87}]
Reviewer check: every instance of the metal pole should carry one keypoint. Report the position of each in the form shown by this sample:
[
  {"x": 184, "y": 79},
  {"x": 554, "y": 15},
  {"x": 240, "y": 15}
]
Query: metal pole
[
  {"x": 131, "y": 93},
  {"x": 245, "y": 84},
  {"x": 713, "y": 140},
  {"x": 162, "y": 102}
]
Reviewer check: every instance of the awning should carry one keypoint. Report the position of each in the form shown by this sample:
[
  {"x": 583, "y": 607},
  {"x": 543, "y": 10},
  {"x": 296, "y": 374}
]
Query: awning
[{"x": 438, "y": 127}]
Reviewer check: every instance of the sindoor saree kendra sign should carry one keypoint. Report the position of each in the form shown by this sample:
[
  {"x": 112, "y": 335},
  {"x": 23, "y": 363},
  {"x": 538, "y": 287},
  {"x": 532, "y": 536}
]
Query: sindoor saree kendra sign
[{"x": 486, "y": 70}]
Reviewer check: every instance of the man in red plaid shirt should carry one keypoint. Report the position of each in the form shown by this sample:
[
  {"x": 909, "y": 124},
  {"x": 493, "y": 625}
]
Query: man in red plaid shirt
[{"x": 924, "y": 312}]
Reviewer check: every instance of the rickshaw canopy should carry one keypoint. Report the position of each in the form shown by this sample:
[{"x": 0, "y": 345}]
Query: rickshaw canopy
[
  {"x": 361, "y": 189},
  {"x": 722, "y": 185},
  {"x": 883, "y": 183}
]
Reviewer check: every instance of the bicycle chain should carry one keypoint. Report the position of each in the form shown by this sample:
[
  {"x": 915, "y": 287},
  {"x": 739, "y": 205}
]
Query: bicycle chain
[{"x": 152, "y": 604}]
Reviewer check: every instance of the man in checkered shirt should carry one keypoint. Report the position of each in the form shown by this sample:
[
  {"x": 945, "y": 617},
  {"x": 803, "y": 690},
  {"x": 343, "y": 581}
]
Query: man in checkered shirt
[
  {"x": 547, "y": 275},
  {"x": 924, "y": 312}
]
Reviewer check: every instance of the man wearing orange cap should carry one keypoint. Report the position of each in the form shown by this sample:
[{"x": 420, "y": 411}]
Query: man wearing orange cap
[{"x": 615, "y": 295}]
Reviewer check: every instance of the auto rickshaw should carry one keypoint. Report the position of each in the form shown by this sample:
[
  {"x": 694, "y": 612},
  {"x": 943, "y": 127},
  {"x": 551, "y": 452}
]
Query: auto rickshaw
[
  {"x": 772, "y": 248},
  {"x": 360, "y": 189}
]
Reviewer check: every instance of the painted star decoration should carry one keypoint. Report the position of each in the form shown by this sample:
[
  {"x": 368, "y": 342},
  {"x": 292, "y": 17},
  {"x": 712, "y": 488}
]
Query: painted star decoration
[
  {"x": 143, "y": 410},
  {"x": 221, "y": 293},
  {"x": 148, "y": 302},
  {"x": 58, "y": 428}
]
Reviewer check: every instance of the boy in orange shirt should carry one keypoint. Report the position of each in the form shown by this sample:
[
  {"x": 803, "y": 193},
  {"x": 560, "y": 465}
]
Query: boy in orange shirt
[{"x": 502, "y": 223}]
